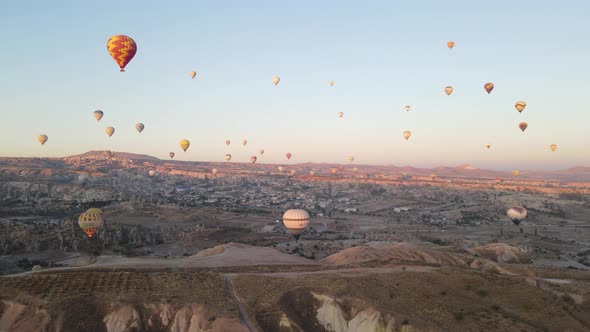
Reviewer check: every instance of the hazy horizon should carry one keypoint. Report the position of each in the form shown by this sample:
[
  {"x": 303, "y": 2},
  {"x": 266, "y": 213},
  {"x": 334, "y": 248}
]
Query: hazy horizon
[{"x": 381, "y": 56}]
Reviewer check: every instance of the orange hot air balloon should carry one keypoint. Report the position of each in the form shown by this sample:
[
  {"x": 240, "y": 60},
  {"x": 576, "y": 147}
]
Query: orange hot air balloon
[
  {"x": 450, "y": 44},
  {"x": 516, "y": 172},
  {"x": 407, "y": 134},
  {"x": 448, "y": 90},
  {"x": 333, "y": 170},
  {"x": 520, "y": 106},
  {"x": 523, "y": 126},
  {"x": 489, "y": 87},
  {"x": 553, "y": 147},
  {"x": 122, "y": 49},
  {"x": 288, "y": 155}
]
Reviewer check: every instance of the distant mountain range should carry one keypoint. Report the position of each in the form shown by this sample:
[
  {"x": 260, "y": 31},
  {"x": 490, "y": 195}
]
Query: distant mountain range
[{"x": 579, "y": 173}]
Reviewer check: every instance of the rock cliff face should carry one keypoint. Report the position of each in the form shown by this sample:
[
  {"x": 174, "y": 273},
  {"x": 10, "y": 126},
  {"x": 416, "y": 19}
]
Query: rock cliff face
[{"x": 16, "y": 316}]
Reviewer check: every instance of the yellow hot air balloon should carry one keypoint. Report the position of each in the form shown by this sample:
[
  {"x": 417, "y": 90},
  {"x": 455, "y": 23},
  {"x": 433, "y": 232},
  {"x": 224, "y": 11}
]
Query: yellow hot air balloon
[
  {"x": 516, "y": 172},
  {"x": 553, "y": 147},
  {"x": 520, "y": 106},
  {"x": 90, "y": 222},
  {"x": 296, "y": 221},
  {"x": 192, "y": 74},
  {"x": 139, "y": 127},
  {"x": 407, "y": 134},
  {"x": 448, "y": 90},
  {"x": 516, "y": 214},
  {"x": 488, "y": 146},
  {"x": 228, "y": 157},
  {"x": 98, "y": 115},
  {"x": 276, "y": 80},
  {"x": 450, "y": 44},
  {"x": 408, "y": 108},
  {"x": 227, "y": 142},
  {"x": 331, "y": 83},
  {"x": 244, "y": 142},
  {"x": 340, "y": 114},
  {"x": 184, "y": 144},
  {"x": 42, "y": 139},
  {"x": 351, "y": 158},
  {"x": 523, "y": 126},
  {"x": 110, "y": 131}
]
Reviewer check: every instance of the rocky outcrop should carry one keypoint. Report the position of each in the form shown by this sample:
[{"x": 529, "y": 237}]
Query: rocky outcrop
[
  {"x": 16, "y": 316},
  {"x": 503, "y": 253}
]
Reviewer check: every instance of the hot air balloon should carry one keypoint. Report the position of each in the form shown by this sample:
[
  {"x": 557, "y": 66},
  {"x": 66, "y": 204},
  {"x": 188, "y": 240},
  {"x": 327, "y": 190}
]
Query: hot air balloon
[
  {"x": 523, "y": 125},
  {"x": 227, "y": 142},
  {"x": 253, "y": 159},
  {"x": 276, "y": 80},
  {"x": 293, "y": 172},
  {"x": 340, "y": 114},
  {"x": 261, "y": 151},
  {"x": 244, "y": 142},
  {"x": 331, "y": 83},
  {"x": 228, "y": 157},
  {"x": 489, "y": 87},
  {"x": 171, "y": 154},
  {"x": 351, "y": 158},
  {"x": 312, "y": 173},
  {"x": 83, "y": 178},
  {"x": 94, "y": 210},
  {"x": 448, "y": 90},
  {"x": 407, "y": 134},
  {"x": 110, "y": 131},
  {"x": 432, "y": 176},
  {"x": 184, "y": 144},
  {"x": 139, "y": 127},
  {"x": 407, "y": 108},
  {"x": 280, "y": 168},
  {"x": 450, "y": 44},
  {"x": 122, "y": 49},
  {"x": 520, "y": 105},
  {"x": 214, "y": 171},
  {"x": 553, "y": 147},
  {"x": 516, "y": 214},
  {"x": 192, "y": 74},
  {"x": 152, "y": 173},
  {"x": 98, "y": 115},
  {"x": 288, "y": 155},
  {"x": 296, "y": 221},
  {"x": 516, "y": 172},
  {"x": 333, "y": 170},
  {"x": 354, "y": 169},
  {"x": 90, "y": 222},
  {"x": 488, "y": 146},
  {"x": 42, "y": 139},
  {"x": 340, "y": 168}
]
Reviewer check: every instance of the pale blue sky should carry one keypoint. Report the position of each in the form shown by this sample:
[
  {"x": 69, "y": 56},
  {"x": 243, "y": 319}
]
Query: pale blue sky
[{"x": 55, "y": 71}]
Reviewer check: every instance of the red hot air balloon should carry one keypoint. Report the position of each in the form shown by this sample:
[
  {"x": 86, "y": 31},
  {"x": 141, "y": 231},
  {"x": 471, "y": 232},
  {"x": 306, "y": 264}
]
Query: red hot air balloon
[
  {"x": 489, "y": 87},
  {"x": 122, "y": 49},
  {"x": 288, "y": 155}
]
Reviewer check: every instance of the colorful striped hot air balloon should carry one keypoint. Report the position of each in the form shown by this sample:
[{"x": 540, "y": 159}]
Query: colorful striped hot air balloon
[
  {"x": 122, "y": 49},
  {"x": 489, "y": 87},
  {"x": 90, "y": 222},
  {"x": 520, "y": 106}
]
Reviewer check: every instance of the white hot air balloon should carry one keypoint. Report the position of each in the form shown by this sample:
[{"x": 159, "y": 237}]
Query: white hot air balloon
[
  {"x": 296, "y": 221},
  {"x": 276, "y": 80},
  {"x": 516, "y": 214}
]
